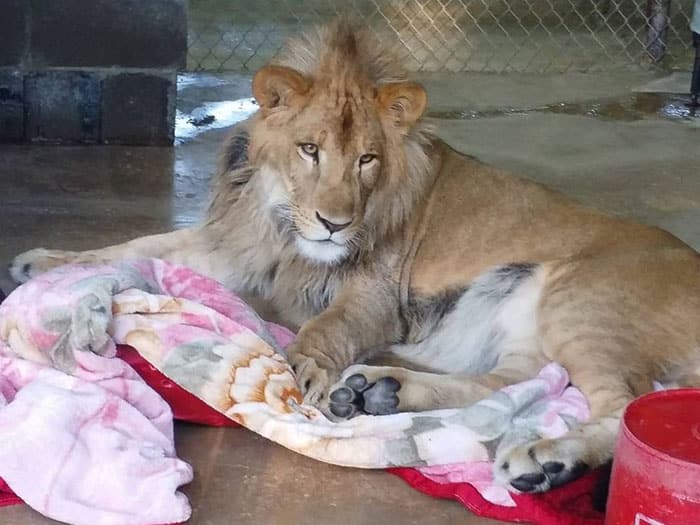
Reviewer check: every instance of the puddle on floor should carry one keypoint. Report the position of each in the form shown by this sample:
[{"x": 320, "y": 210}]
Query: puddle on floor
[
  {"x": 635, "y": 107},
  {"x": 212, "y": 115},
  {"x": 210, "y": 101},
  {"x": 185, "y": 80}
]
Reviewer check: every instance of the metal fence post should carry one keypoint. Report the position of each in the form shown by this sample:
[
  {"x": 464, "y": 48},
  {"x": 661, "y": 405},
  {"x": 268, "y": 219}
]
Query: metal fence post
[
  {"x": 657, "y": 29},
  {"x": 695, "y": 81}
]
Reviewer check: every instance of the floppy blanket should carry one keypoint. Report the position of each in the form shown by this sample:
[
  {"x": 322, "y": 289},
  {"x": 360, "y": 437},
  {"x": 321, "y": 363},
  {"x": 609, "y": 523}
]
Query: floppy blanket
[{"x": 64, "y": 396}]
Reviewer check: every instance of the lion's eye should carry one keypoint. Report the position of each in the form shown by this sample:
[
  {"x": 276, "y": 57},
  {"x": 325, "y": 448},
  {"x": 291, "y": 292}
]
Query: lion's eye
[
  {"x": 367, "y": 158},
  {"x": 309, "y": 149}
]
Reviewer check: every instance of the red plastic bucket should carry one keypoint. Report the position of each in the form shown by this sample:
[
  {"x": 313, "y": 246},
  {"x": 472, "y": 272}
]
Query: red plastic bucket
[{"x": 655, "y": 478}]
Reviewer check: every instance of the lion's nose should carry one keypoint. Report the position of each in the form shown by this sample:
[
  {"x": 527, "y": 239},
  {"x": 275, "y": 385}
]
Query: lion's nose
[{"x": 332, "y": 227}]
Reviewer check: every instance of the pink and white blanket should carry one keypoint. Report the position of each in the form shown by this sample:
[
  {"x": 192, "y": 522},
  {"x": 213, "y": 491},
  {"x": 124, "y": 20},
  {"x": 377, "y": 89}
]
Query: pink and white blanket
[{"x": 84, "y": 440}]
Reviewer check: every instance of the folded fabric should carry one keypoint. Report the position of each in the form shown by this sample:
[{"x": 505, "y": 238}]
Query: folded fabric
[
  {"x": 209, "y": 342},
  {"x": 93, "y": 446}
]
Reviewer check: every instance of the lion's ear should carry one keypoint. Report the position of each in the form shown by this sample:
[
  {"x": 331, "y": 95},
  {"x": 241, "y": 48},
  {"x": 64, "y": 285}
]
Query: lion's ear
[
  {"x": 278, "y": 86},
  {"x": 404, "y": 102}
]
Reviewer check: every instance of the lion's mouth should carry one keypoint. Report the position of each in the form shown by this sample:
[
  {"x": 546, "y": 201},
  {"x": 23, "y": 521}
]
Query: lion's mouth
[
  {"x": 327, "y": 251},
  {"x": 326, "y": 242}
]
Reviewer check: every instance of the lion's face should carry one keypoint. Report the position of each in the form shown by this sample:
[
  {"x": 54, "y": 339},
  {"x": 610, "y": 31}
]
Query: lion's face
[{"x": 322, "y": 145}]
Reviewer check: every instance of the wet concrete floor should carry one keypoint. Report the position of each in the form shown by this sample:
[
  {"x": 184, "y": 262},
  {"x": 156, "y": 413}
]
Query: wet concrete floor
[
  {"x": 635, "y": 106},
  {"x": 603, "y": 140}
]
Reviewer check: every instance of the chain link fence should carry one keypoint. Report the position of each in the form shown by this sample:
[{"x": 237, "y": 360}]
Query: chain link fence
[{"x": 457, "y": 35}]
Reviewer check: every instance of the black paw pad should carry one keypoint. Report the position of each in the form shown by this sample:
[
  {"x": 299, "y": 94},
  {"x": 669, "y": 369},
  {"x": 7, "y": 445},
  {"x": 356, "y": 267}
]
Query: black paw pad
[
  {"x": 563, "y": 475},
  {"x": 347, "y": 401},
  {"x": 359, "y": 396},
  {"x": 381, "y": 398},
  {"x": 553, "y": 467},
  {"x": 343, "y": 395},
  {"x": 357, "y": 382},
  {"x": 344, "y": 411},
  {"x": 528, "y": 482}
]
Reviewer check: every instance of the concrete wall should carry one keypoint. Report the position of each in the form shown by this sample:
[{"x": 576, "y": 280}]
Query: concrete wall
[{"x": 90, "y": 71}]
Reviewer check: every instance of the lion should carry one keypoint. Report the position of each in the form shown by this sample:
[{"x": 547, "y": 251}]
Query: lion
[{"x": 418, "y": 277}]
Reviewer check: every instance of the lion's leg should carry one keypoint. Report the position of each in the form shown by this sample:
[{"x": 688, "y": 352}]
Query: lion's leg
[
  {"x": 381, "y": 390},
  {"x": 363, "y": 316},
  {"x": 189, "y": 246},
  {"x": 616, "y": 324},
  {"x": 547, "y": 463}
]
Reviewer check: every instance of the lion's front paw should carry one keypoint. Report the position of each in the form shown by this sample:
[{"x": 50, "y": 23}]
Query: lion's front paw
[
  {"x": 313, "y": 380},
  {"x": 34, "y": 262}
]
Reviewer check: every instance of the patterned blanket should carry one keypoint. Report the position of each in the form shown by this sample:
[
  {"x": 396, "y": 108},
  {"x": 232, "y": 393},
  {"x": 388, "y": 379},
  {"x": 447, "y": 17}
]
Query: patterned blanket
[{"x": 58, "y": 333}]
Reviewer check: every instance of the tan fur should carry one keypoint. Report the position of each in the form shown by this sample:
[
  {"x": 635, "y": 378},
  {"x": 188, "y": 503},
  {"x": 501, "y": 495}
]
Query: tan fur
[{"x": 618, "y": 304}]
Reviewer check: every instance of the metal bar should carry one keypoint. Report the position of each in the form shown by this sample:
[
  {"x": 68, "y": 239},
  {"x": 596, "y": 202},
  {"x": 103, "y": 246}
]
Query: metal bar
[
  {"x": 695, "y": 82},
  {"x": 658, "y": 18}
]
